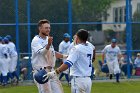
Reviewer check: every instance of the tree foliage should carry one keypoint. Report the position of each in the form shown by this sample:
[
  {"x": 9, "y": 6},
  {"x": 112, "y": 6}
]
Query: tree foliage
[
  {"x": 90, "y": 10},
  {"x": 54, "y": 10}
]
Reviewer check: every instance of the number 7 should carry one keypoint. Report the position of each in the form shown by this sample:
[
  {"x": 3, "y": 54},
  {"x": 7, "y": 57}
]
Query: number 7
[{"x": 89, "y": 56}]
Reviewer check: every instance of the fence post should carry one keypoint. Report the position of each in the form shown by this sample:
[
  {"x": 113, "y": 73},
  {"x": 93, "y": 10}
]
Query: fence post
[
  {"x": 70, "y": 18},
  {"x": 29, "y": 75},
  {"x": 128, "y": 34},
  {"x": 17, "y": 35}
]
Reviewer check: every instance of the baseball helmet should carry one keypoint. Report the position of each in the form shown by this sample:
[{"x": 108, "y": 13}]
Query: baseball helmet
[
  {"x": 39, "y": 76},
  {"x": 9, "y": 37},
  {"x": 66, "y": 35},
  {"x": 114, "y": 40}
]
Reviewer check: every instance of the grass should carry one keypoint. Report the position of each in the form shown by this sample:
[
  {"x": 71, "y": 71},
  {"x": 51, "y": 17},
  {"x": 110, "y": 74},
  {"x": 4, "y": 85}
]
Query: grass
[{"x": 97, "y": 87}]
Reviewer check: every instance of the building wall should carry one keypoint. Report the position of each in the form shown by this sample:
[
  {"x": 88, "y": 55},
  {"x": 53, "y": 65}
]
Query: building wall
[{"x": 110, "y": 18}]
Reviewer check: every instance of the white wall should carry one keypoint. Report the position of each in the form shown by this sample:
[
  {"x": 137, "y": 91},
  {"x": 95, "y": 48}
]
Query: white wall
[{"x": 118, "y": 3}]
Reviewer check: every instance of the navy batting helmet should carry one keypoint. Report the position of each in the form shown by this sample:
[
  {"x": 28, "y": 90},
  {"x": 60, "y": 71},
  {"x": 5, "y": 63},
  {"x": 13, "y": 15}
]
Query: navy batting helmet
[
  {"x": 66, "y": 35},
  {"x": 39, "y": 76}
]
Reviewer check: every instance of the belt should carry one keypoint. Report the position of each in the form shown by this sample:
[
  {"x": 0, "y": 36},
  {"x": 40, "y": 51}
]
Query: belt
[
  {"x": 48, "y": 68},
  {"x": 80, "y": 76}
]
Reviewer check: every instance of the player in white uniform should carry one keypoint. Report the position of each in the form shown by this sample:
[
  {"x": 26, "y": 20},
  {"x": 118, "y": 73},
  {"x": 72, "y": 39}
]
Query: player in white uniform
[
  {"x": 112, "y": 54},
  {"x": 44, "y": 57},
  {"x": 14, "y": 57},
  {"x": 63, "y": 48},
  {"x": 5, "y": 59},
  {"x": 1, "y": 45},
  {"x": 80, "y": 63}
]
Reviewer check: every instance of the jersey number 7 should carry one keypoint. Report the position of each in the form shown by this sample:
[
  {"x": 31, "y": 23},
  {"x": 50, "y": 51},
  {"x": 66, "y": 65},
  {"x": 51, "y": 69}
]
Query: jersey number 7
[{"x": 89, "y": 57}]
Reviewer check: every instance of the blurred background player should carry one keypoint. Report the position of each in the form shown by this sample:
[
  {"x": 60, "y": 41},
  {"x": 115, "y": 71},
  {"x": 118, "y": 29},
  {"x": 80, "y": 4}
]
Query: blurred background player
[
  {"x": 0, "y": 60},
  {"x": 13, "y": 60},
  {"x": 123, "y": 63},
  {"x": 80, "y": 63},
  {"x": 63, "y": 48},
  {"x": 112, "y": 54},
  {"x": 137, "y": 65},
  {"x": 5, "y": 59},
  {"x": 44, "y": 57}
]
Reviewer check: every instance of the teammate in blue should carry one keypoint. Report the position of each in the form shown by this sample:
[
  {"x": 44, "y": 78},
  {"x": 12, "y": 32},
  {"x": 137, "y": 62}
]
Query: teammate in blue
[
  {"x": 63, "y": 48},
  {"x": 80, "y": 63}
]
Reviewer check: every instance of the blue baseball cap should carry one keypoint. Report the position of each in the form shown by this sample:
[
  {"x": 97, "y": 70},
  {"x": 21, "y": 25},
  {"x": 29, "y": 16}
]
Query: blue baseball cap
[
  {"x": 66, "y": 35},
  {"x": 113, "y": 40},
  {"x": 6, "y": 40},
  {"x": 9, "y": 37}
]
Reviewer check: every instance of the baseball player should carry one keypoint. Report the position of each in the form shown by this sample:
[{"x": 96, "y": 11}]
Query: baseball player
[
  {"x": 5, "y": 59},
  {"x": 44, "y": 57},
  {"x": 14, "y": 57},
  {"x": 1, "y": 45},
  {"x": 63, "y": 48},
  {"x": 80, "y": 63},
  {"x": 112, "y": 54}
]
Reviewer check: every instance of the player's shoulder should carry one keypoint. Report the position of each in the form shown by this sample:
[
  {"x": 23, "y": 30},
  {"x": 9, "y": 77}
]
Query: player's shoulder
[
  {"x": 90, "y": 44},
  {"x": 11, "y": 44},
  {"x": 108, "y": 46},
  {"x": 62, "y": 42},
  {"x": 36, "y": 38}
]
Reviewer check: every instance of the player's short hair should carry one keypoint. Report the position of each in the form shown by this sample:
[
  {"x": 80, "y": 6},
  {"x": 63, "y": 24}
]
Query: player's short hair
[
  {"x": 82, "y": 34},
  {"x": 43, "y": 21}
]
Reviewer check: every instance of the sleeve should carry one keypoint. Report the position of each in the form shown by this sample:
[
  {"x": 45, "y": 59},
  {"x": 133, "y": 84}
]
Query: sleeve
[
  {"x": 119, "y": 51},
  {"x": 135, "y": 62},
  {"x": 72, "y": 58},
  {"x": 104, "y": 50},
  {"x": 61, "y": 48},
  {"x": 37, "y": 47}
]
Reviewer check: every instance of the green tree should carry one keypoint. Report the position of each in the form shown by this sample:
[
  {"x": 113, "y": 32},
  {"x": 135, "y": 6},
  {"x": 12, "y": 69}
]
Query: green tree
[{"x": 90, "y": 11}]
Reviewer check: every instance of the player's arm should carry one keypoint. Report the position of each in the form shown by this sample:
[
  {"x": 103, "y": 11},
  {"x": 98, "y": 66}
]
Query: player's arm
[
  {"x": 103, "y": 57},
  {"x": 59, "y": 55},
  {"x": 37, "y": 47},
  {"x": 119, "y": 55},
  {"x": 94, "y": 54},
  {"x": 70, "y": 61}
]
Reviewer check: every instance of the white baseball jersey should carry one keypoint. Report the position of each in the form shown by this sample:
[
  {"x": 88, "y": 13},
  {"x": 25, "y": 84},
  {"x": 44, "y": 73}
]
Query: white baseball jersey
[
  {"x": 13, "y": 51},
  {"x": 70, "y": 47},
  {"x": 13, "y": 56},
  {"x": 41, "y": 57},
  {"x": 111, "y": 54},
  {"x": 80, "y": 60},
  {"x": 63, "y": 47},
  {"x": 137, "y": 62},
  {"x": 4, "y": 50}
]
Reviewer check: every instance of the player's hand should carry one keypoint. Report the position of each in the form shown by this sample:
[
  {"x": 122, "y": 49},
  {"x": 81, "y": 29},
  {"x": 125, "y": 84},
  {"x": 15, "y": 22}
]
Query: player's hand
[
  {"x": 65, "y": 56},
  {"x": 49, "y": 75},
  {"x": 50, "y": 40}
]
